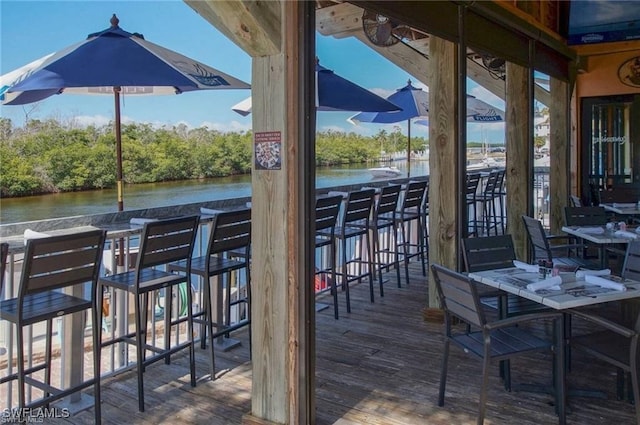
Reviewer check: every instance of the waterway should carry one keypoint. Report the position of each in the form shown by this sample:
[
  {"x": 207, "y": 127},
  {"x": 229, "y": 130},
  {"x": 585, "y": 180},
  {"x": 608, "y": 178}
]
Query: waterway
[{"x": 150, "y": 195}]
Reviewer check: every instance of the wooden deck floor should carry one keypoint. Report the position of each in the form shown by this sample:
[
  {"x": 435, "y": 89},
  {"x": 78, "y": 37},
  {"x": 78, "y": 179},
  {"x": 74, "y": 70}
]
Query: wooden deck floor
[{"x": 378, "y": 365}]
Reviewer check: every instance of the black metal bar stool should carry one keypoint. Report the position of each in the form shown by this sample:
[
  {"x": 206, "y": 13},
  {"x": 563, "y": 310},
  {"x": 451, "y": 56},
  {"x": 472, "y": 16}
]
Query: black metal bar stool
[
  {"x": 54, "y": 271},
  {"x": 161, "y": 243},
  {"x": 410, "y": 213},
  {"x": 327, "y": 211},
  {"x": 355, "y": 224},
  {"x": 385, "y": 232},
  {"x": 228, "y": 250}
]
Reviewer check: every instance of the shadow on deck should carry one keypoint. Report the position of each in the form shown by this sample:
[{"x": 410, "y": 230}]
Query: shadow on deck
[{"x": 378, "y": 365}]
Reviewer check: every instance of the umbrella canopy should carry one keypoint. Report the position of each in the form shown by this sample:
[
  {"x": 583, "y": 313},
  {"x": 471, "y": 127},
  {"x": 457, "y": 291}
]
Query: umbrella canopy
[
  {"x": 112, "y": 62},
  {"x": 415, "y": 103},
  {"x": 335, "y": 93}
]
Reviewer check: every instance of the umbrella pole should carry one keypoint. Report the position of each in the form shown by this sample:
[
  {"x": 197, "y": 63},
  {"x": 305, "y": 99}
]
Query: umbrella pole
[
  {"x": 118, "y": 130},
  {"x": 408, "y": 147}
]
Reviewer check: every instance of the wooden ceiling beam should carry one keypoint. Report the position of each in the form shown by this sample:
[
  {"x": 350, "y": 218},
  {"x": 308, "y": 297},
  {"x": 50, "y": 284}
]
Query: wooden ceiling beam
[
  {"x": 405, "y": 57},
  {"x": 253, "y": 25},
  {"x": 345, "y": 20}
]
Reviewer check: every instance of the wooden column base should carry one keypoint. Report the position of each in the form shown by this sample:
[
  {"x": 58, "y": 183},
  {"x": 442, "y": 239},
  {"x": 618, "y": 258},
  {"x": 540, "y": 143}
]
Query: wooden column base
[
  {"x": 434, "y": 315},
  {"x": 249, "y": 419}
]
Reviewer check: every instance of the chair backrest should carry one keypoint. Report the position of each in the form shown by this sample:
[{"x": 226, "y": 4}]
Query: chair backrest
[
  {"x": 327, "y": 211},
  {"x": 575, "y": 201},
  {"x": 585, "y": 216},
  {"x": 61, "y": 261},
  {"x": 473, "y": 179},
  {"x": 4, "y": 253},
  {"x": 414, "y": 195},
  {"x": 631, "y": 266},
  {"x": 537, "y": 238},
  {"x": 488, "y": 253},
  {"x": 358, "y": 209},
  {"x": 458, "y": 295},
  {"x": 492, "y": 185},
  {"x": 166, "y": 241},
  {"x": 230, "y": 231},
  {"x": 387, "y": 202},
  {"x": 631, "y": 270}
]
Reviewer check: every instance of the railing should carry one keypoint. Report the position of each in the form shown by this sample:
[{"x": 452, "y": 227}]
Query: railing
[{"x": 119, "y": 358}]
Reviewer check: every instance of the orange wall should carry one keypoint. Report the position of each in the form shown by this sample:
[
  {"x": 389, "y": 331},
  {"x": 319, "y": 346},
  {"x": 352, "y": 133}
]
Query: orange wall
[{"x": 601, "y": 76}]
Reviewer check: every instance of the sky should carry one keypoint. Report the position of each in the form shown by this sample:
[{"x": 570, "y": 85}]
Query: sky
[{"x": 32, "y": 29}]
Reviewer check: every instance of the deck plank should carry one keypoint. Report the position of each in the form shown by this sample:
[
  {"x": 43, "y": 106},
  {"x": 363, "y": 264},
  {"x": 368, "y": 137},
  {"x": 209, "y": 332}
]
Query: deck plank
[{"x": 378, "y": 365}]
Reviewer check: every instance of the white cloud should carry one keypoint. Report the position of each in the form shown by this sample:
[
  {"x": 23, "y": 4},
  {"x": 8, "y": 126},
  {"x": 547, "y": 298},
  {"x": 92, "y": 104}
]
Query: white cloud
[
  {"x": 232, "y": 126},
  {"x": 95, "y": 120}
]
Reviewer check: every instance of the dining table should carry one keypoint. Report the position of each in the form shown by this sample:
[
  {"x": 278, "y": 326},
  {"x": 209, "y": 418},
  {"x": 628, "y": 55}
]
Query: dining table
[
  {"x": 564, "y": 291},
  {"x": 622, "y": 208},
  {"x": 603, "y": 237}
]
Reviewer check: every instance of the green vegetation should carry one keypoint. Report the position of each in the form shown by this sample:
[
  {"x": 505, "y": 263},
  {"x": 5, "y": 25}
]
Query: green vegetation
[{"x": 47, "y": 156}]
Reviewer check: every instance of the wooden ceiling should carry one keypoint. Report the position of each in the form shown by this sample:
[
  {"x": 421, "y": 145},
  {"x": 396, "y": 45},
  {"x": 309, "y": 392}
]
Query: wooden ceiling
[{"x": 410, "y": 51}]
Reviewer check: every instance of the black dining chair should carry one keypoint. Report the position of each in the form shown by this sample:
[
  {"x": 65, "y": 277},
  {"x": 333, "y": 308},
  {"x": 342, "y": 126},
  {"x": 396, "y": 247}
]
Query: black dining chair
[
  {"x": 56, "y": 271},
  {"x": 616, "y": 338},
  {"x": 493, "y": 340},
  {"x": 558, "y": 253}
]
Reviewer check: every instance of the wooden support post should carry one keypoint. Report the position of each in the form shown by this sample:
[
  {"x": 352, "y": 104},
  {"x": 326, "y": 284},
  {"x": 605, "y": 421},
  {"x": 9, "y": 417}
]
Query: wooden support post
[
  {"x": 282, "y": 324},
  {"x": 559, "y": 152},
  {"x": 519, "y": 155},
  {"x": 443, "y": 149}
]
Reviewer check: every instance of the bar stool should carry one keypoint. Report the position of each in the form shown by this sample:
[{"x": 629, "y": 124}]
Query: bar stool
[
  {"x": 471, "y": 192},
  {"x": 488, "y": 197},
  {"x": 355, "y": 224},
  {"x": 385, "y": 232},
  {"x": 228, "y": 250},
  {"x": 410, "y": 213},
  {"x": 161, "y": 243},
  {"x": 327, "y": 211},
  {"x": 4, "y": 253},
  {"x": 54, "y": 271}
]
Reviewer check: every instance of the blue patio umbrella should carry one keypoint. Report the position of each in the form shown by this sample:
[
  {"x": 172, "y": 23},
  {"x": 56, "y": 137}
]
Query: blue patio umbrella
[
  {"x": 415, "y": 103},
  {"x": 335, "y": 93},
  {"x": 112, "y": 62}
]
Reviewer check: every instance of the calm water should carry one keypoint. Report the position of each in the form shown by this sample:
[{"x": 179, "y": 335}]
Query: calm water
[{"x": 162, "y": 194}]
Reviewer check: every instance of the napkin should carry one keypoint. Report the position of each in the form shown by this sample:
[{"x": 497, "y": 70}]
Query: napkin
[
  {"x": 32, "y": 234},
  {"x": 580, "y": 274},
  {"x": 626, "y": 234},
  {"x": 526, "y": 267},
  {"x": 209, "y": 211},
  {"x": 605, "y": 283},
  {"x": 623, "y": 204},
  {"x": 141, "y": 221},
  {"x": 592, "y": 230},
  {"x": 552, "y": 283}
]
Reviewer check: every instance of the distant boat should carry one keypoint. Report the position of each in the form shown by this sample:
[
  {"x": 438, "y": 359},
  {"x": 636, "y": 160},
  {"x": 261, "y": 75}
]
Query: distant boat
[
  {"x": 486, "y": 163},
  {"x": 385, "y": 172}
]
